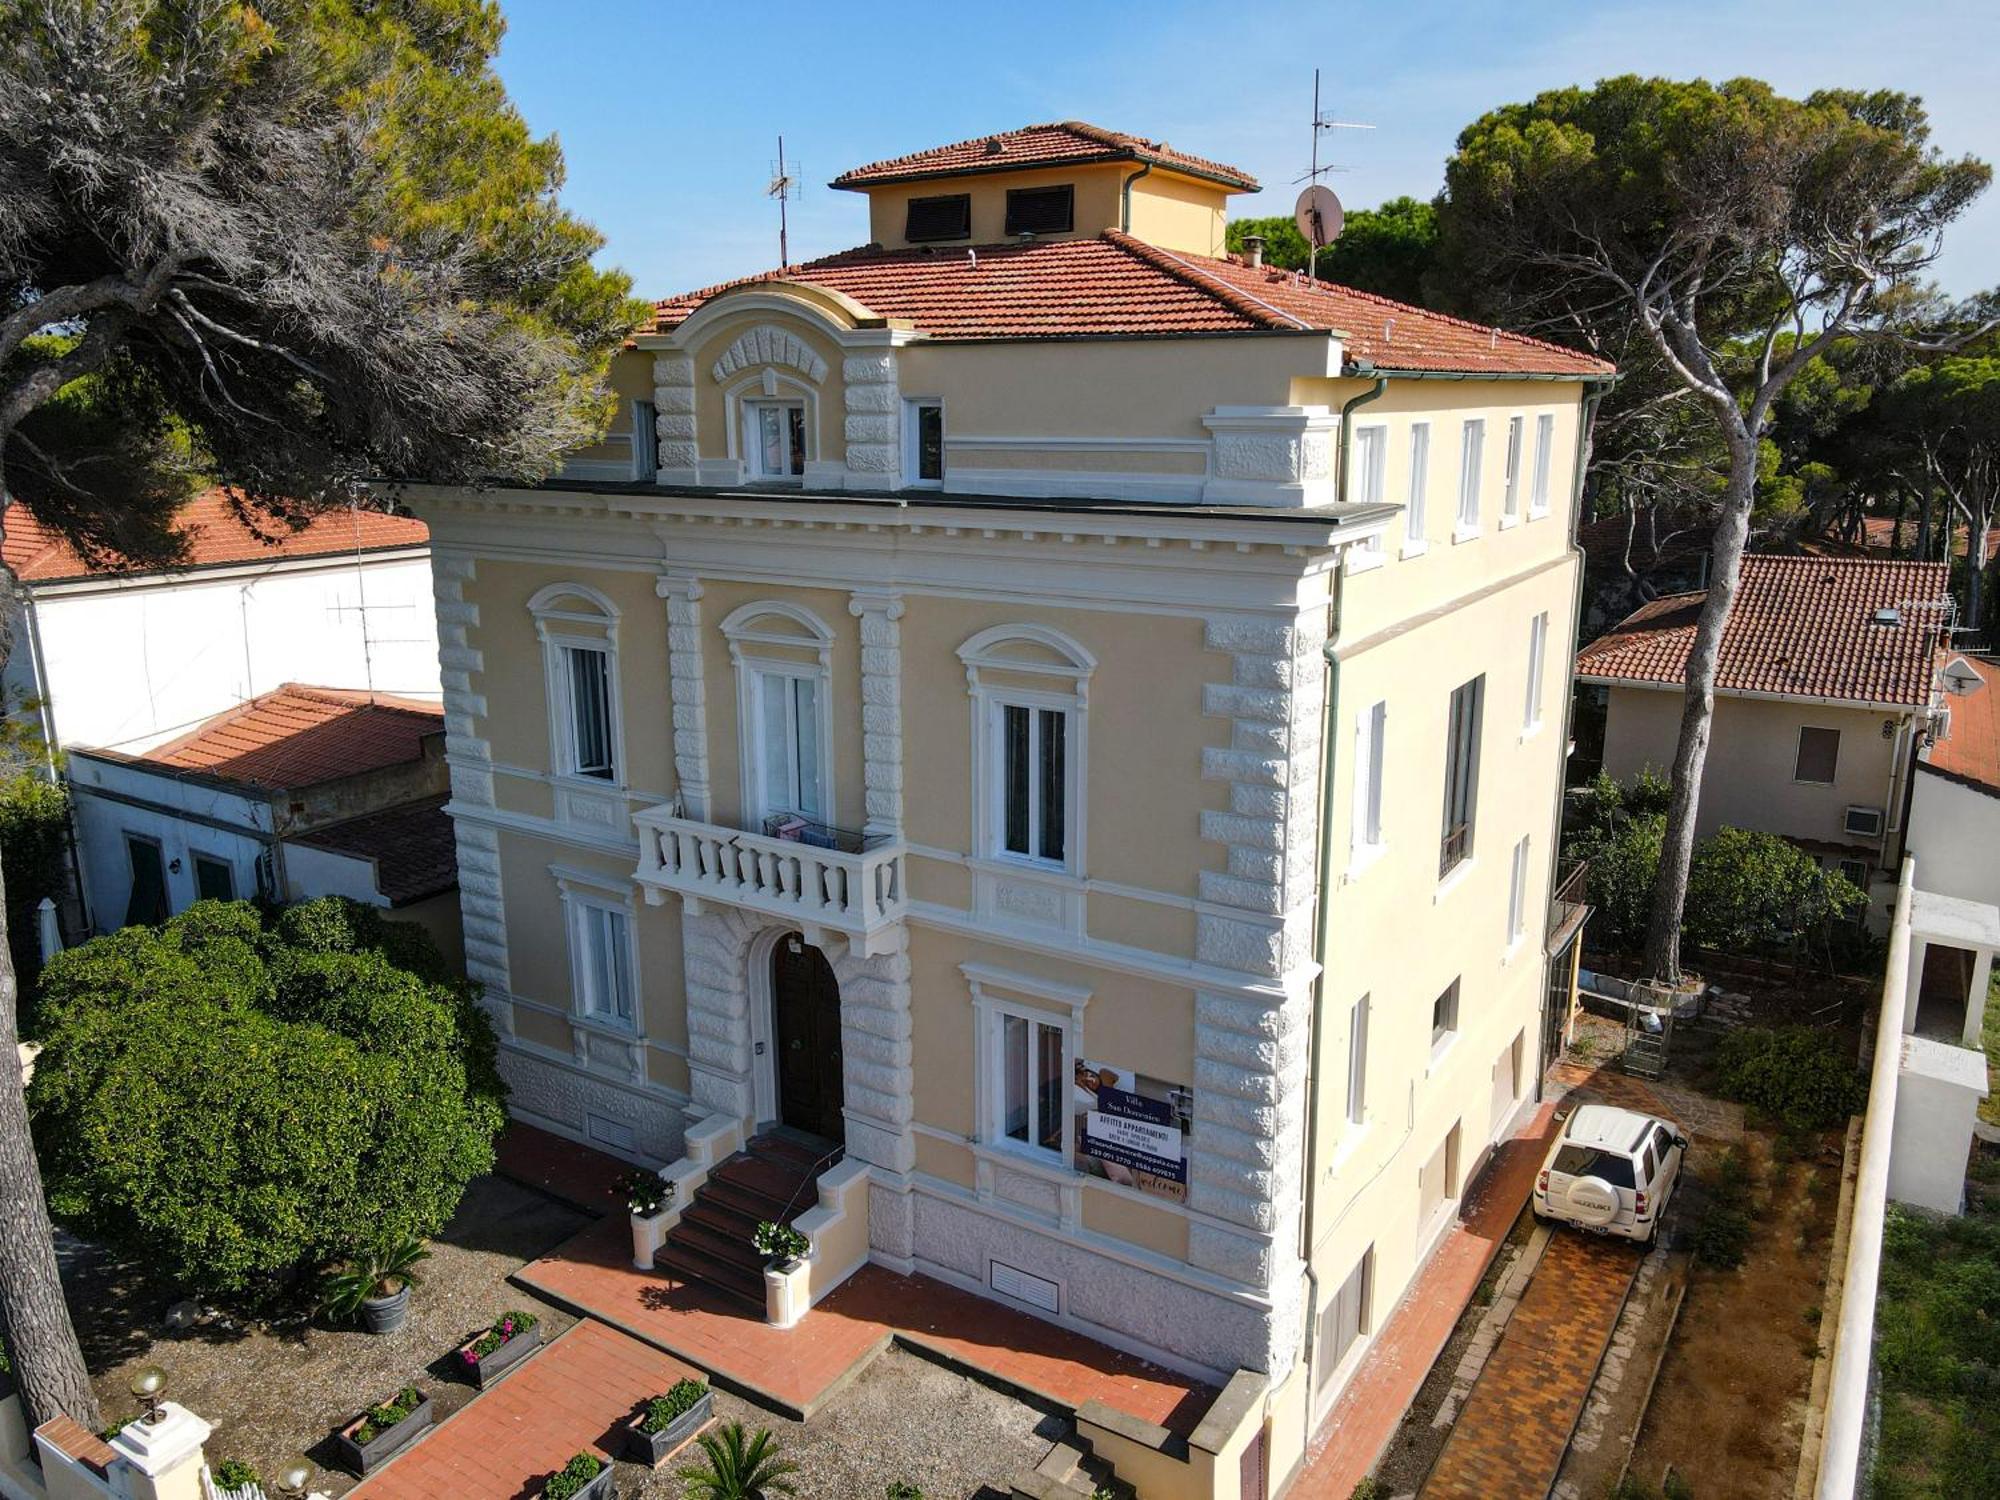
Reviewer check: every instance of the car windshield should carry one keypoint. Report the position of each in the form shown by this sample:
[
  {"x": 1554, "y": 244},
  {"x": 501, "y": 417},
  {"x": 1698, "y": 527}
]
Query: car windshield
[{"x": 1589, "y": 1161}]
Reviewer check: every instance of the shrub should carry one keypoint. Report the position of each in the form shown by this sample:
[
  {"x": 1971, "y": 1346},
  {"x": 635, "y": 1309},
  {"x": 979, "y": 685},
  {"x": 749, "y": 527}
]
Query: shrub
[
  {"x": 379, "y": 1419},
  {"x": 1756, "y": 892},
  {"x": 34, "y": 821},
  {"x": 1799, "y": 1077},
  {"x": 738, "y": 1466},
  {"x": 234, "y": 1474},
  {"x": 573, "y": 1476},
  {"x": 902, "y": 1489},
  {"x": 1721, "y": 1235},
  {"x": 232, "y": 1107},
  {"x": 681, "y": 1398},
  {"x": 1622, "y": 862},
  {"x": 506, "y": 1328},
  {"x": 1369, "y": 1488}
]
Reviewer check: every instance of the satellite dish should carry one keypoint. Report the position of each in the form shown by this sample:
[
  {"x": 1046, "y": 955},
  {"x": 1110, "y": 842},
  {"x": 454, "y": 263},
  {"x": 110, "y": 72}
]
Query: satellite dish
[{"x": 1319, "y": 216}]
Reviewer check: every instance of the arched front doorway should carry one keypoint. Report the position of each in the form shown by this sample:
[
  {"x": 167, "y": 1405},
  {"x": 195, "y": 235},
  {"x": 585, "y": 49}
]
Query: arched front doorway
[{"x": 805, "y": 1010}]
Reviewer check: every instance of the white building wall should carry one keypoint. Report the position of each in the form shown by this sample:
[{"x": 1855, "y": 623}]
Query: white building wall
[
  {"x": 1955, "y": 835},
  {"x": 104, "y": 821},
  {"x": 132, "y": 663}
]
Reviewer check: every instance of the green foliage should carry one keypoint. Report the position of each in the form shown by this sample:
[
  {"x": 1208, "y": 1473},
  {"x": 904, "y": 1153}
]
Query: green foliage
[
  {"x": 737, "y": 1466},
  {"x": 573, "y": 1477},
  {"x": 34, "y": 823},
  {"x": 644, "y": 1193},
  {"x": 1387, "y": 250},
  {"x": 232, "y": 1107},
  {"x": 379, "y": 1419},
  {"x": 379, "y": 1271},
  {"x": 234, "y": 1474},
  {"x": 902, "y": 1489},
  {"x": 1368, "y": 1488},
  {"x": 681, "y": 1398},
  {"x": 1799, "y": 1077},
  {"x": 1722, "y": 1230},
  {"x": 506, "y": 1328},
  {"x": 1751, "y": 892},
  {"x": 1622, "y": 863},
  {"x": 780, "y": 1242}
]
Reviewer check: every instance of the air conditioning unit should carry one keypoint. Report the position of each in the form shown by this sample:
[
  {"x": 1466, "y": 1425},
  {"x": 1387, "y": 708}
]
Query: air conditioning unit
[{"x": 1865, "y": 822}]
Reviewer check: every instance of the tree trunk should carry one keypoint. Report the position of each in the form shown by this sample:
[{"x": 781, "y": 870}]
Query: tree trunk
[
  {"x": 41, "y": 1341},
  {"x": 1732, "y": 530}
]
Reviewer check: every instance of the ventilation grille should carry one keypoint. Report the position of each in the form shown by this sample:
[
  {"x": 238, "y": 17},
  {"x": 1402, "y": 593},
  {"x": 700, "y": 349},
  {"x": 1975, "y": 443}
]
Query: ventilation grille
[
  {"x": 1040, "y": 210},
  {"x": 1036, "y": 1291},
  {"x": 947, "y": 218},
  {"x": 607, "y": 1132}
]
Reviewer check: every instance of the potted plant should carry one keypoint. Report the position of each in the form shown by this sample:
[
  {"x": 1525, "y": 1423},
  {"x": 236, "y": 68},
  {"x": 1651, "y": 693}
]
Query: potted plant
[
  {"x": 384, "y": 1430},
  {"x": 585, "y": 1477},
  {"x": 669, "y": 1421},
  {"x": 375, "y": 1285},
  {"x": 787, "y": 1290},
  {"x": 648, "y": 1196},
  {"x": 511, "y": 1339},
  {"x": 736, "y": 1466},
  {"x": 782, "y": 1246}
]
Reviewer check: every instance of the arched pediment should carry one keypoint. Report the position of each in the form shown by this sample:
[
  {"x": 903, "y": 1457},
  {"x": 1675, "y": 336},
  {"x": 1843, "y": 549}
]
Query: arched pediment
[{"x": 1028, "y": 648}]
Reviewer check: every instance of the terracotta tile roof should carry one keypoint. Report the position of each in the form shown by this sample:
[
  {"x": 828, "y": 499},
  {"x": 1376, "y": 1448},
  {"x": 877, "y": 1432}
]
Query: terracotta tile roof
[
  {"x": 69, "y": 1437},
  {"x": 297, "y": 736},
  {"x": 1800, "y": 627},
  {"x": 1115, "y": 284},
  {"x": 412, "y": 846},
  {"x": 216, "y": 534},
  {"x": 1051, "y": 145},
  {"x": 1969, "y": 749}
]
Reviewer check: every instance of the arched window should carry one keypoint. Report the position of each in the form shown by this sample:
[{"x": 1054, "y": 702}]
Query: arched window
[
  {"x": 1029, "y": 687},
  {"x": 578, "y": 629},
  {"x": 783, "y": 656}
]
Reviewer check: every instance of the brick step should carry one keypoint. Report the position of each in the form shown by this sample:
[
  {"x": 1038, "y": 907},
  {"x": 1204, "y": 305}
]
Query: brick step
[
  {"x": 731, "y": 1197},
  {"x": 790, "y": 1151},
  {"x": 720, "y": 1242},
  {"x": 778, "y": 1182},
  {"x": 694, "y": 1265}
]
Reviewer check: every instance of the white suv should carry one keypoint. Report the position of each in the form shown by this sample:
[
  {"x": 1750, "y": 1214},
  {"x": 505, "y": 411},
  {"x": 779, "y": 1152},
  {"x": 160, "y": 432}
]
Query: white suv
[{"x": 1611, "y": 1171}]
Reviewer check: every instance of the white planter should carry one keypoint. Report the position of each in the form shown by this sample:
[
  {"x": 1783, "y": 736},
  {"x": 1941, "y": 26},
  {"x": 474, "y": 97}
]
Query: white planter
[
  {"x": 649, "y": 1232},
  {"x": 787, "y": 1293}
]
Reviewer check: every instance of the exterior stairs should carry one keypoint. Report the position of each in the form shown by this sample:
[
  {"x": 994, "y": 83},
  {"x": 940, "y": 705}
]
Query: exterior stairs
[
  {"x": 1070, "y": 1471},
  {"x": 773, "y": 1177}
]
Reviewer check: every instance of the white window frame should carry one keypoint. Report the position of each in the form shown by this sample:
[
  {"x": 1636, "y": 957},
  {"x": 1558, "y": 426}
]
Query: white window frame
[
  {"x": 753, "y": 448},
  {"x": 564, "y": 613},
  {"x": 996, "y": 995},
  {"x": 1471, "y": 459},
  {"x": 1510, "y": 501},
  {"x": 1517, "y": 895},
  {"x": 1367, "y": 479},
  {"x": 1366, "y": 839},
  {"x": 645, "y": 440},
  {"x": 912, "y": 447},
  {"x": 583, "y": 894},
  {"x": 1538, "y": 654},
  {"x": 775, "y": 638},
  {"x": 1357, "y": 1061},
  {"x": 1026, "y": 650},
  {"x": 1416, "y": 539},
  {"x": 1545, "y": 442}
]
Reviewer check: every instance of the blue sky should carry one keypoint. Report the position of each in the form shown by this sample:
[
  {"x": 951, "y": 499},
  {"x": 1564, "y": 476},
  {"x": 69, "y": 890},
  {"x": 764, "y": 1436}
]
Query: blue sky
[{"x": 668, "y": 112}]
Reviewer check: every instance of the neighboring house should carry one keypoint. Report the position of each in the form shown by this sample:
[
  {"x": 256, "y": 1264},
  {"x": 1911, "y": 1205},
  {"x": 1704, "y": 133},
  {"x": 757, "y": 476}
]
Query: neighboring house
[
  {"x": 1955, "y": 804},
  {"x": 302, "y": 792},
  {"x": 1074, "y": 720},
  {"x": 1823, "y": 693},
  {"x": 125, "y": 658}
]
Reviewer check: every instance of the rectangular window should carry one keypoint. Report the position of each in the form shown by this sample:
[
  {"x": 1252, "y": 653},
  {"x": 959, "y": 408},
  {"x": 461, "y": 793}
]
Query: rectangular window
[
  {"x": 1043, "y": 210},
  {"x": 1369, "y": 727},
  {"x": 645, "y": 440},
  {"x": 774, "y": 439},
  {"x": 1517, "y": 895},
  {"x": 604, "y": 967},
  {"x": 587, "y": 682},
  {"x": 1033, "y": 1092},
  {"x": 1420, "y": 475},
  {"x": 1819, "y": 755},
  {"x": 923, "y": 442},
  {"x": 1472, "y": 450},
  {"x": 1357, "y": 1062},
  {"x": 1461, "y": 773},
  {"x": 942, "y": 218},
  {"x": 1538, "y": 650},
  {"x": 1345, "y": 1319},
  {"x": 1444, "y": 1016},
  {"x": 213, "y": 879},
  {"x": 1034, "y": 756},
  {"x": 1371, "y": 446},
  {"x": 1511, "y": 498},
  {"x": 1545, "y": 442},
  {"x": 788, "y": 745}
]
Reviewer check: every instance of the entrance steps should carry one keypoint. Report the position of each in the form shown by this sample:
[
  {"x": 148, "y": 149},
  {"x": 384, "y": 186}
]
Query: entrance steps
[
  {"x": 774, "y": 1177},
  {"x": 1070, "y": 1470}
]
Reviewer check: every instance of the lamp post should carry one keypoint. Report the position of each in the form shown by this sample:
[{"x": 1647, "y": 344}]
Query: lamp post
[
  {"x": 147, "y": 1384},
  {"x": 293, "y": 1479}
]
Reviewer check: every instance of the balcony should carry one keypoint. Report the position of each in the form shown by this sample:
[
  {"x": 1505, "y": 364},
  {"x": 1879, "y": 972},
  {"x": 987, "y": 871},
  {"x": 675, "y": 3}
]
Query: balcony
[
  {"x": 819, "y": 878},
  {"x": 1568, "y": 906}
]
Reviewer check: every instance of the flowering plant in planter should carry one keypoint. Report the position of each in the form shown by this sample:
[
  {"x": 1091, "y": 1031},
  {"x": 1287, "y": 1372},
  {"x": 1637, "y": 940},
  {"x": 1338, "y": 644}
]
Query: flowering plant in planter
[
  {"x": 780, "y": 1243},
  {"x": 574, "y": 1477},
  {"x": 379, "y": 1419},
  {"x": 645, "y": 1193},
  {"x": 506, "y": 1329}
]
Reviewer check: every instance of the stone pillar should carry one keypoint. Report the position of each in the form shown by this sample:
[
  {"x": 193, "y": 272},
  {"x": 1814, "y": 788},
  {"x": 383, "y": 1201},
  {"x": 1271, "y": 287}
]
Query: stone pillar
[
  {"x": 673, "y": 401},
  {"x": 162, "y": 1460},
  {"x": 686, "y": 690},
  {"x": 876, "y": 1075},
  {"x": 873, "y": 427},
  {"x": 715, "y": 946},
  {"x": 881, "y": 710}
]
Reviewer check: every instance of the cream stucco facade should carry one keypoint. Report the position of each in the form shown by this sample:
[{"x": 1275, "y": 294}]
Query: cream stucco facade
[{"x": 1078, "y": 742}]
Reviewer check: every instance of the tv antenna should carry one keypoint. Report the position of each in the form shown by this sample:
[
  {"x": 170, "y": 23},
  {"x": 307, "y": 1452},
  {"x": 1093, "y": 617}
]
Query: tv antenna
[
  {"x": 784, "y": 186},
  {"x": 1319, "y": 213}
]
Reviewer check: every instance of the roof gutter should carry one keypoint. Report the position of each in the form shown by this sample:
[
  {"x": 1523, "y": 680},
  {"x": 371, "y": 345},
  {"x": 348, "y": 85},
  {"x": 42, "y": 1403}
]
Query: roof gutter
[{"x": 1366, "y": 369}]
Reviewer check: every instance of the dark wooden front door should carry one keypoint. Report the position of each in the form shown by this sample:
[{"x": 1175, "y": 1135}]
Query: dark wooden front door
[{"x": 806, "y": 1006}]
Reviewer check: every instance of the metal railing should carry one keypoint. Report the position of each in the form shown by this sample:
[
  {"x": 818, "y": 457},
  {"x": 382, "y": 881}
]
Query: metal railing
[{"x": 1572, "y": 887}]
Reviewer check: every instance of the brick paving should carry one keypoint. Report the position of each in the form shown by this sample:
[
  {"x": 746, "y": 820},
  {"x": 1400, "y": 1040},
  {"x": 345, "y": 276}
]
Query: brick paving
[
  {"x": 1716, "y": 1121},
  {"x": 795, "y": 1370},
  {"x": 571, "y": 1397},
  {"x": 566, "y": 1170},
  {"x": 1510, "y": 1437}
]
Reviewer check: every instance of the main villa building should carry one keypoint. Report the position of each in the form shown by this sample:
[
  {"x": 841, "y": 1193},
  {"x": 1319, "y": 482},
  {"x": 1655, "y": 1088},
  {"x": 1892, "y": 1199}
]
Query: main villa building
[{"x": 1067, "y": 718}]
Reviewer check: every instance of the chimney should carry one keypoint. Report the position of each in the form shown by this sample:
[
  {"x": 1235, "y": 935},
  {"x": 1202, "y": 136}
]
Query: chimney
[{"x": 1253, "y": 248}]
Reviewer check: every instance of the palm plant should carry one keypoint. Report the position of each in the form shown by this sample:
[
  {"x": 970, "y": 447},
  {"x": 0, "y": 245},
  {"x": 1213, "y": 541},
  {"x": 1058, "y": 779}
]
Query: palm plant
[
  {"x": 738, "y": 1467},
  {"x": 379, "y": 1272}
]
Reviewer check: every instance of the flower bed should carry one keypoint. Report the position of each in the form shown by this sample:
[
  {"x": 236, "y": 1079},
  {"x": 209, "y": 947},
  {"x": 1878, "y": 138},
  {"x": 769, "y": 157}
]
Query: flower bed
[
  {"x": 669, "y": 1421},
  {"x": 511, "y": 1339},
  {"x": 384, "y": 1430}
]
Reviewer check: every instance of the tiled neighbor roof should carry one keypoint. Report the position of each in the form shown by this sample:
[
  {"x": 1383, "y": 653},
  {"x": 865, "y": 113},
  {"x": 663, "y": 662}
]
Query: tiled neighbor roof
[
  {"x": 216, "y": 535},
  {"x": 1969, "y": 750},
  {"x": 412, "y": 846},
  {"x": 1058, "y": 144},
  {"x": 296, "y": 736},
  {"x": 1115, "y": 284},
  {"x": 1800, "y": 627}
]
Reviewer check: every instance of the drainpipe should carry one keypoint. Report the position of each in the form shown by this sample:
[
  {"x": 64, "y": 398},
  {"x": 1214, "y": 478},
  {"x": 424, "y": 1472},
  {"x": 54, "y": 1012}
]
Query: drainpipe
[
  {"x": 1374, "y": 393},
  {"x": 1125, "y": 197}
]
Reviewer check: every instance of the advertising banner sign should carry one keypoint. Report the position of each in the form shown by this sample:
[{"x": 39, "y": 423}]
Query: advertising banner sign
[{"x": 1127, "y": 1136}]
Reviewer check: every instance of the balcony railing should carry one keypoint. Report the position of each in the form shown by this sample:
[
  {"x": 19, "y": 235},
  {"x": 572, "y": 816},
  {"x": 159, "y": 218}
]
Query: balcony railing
[
  {"x": 1568, "y": 904},
  {"x": 804, "y": 877}
]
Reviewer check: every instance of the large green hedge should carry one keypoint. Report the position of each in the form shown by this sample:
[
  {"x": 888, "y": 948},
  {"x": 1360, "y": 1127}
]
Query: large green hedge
[{"x": 235, "y": 1103}]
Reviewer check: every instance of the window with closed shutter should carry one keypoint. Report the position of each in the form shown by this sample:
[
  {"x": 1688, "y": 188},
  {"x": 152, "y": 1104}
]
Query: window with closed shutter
[
  {"x": 945, "y": 218},
  {"x": 1048, "y": 210}
]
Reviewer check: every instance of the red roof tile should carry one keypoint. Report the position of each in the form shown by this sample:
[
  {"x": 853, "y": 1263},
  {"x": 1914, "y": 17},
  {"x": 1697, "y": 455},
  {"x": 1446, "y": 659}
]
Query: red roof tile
[
  {"x": 1039, "y": 146},
  {"x": 1969, "y": 749},
  {"x": 298, "y": 736},
  {"x": 216, "y": 534},
  {"x": 1115, "y": 284},
  {"x": 1800, "y": 627},
  {"x": 413, "y": 848}
]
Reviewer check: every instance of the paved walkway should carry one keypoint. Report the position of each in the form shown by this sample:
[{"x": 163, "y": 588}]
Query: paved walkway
[
  {"x": 1510, "y": 1437},
  {"x": 566, "y": 1170},
  {"x": 795, "y": 1370},
  {"x": 571, "y": 1397},
  {"x": 1366, "y": 1414}
]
